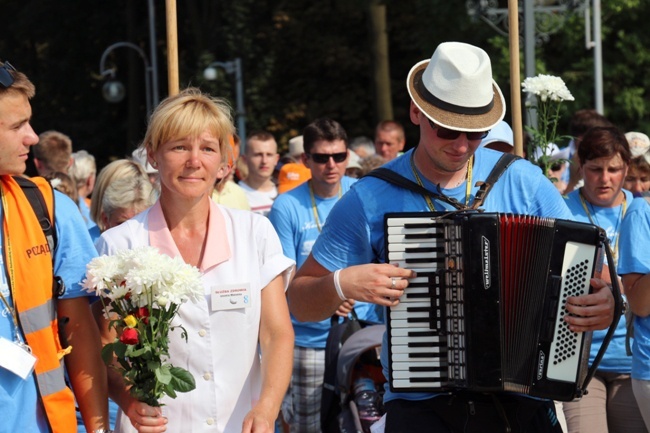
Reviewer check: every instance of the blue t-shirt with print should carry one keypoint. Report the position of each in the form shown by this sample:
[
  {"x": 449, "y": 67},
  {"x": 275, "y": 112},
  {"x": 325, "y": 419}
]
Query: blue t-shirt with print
[
  {"x": 292, "y": 216},
  {"x": 609, "y": 219},
  {"x": 21, "y": 411},
  {"x": 355, "y": 230},
  {"x": 634, "y": 258}
]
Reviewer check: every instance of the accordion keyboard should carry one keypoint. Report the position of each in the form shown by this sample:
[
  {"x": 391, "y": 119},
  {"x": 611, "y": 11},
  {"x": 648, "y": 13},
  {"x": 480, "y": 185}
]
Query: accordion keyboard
[{"x": 427, "y": 336}]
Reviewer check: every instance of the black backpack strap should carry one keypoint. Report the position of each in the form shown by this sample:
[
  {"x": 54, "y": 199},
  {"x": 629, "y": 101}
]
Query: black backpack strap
[
  {"x": 397, "y": 179},
  {"x": 485, "y": 186},
  {"x": 37, "y": 201}
]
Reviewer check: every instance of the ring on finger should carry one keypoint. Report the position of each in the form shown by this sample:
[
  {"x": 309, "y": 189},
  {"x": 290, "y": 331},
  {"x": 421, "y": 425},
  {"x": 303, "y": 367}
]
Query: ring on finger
[{"x": 392, "y": 283}]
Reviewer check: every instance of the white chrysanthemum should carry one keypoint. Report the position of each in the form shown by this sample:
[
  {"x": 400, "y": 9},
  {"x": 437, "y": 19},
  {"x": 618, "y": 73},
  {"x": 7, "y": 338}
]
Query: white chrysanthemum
[
  {"x": 102, "y": 273},
  {"x": 146, "y": 275},
  {"x": 547, "y": 87}
]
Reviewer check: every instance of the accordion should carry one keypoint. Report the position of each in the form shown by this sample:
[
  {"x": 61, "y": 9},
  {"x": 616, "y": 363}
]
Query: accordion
[{"x": 485, "y": 312}]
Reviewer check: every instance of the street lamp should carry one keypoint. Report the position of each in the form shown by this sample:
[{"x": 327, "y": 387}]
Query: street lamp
[
  {"x": 113, "y": 90},
  {"x": 233, "y": 66}
]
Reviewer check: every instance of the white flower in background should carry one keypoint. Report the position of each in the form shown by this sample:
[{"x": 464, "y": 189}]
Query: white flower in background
[{"x": 550, "y": 92}]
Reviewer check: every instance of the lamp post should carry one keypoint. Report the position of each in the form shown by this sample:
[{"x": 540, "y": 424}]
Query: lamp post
[
  {"x": 113, "y": 90},
  {"x": 232, "y": 66}
]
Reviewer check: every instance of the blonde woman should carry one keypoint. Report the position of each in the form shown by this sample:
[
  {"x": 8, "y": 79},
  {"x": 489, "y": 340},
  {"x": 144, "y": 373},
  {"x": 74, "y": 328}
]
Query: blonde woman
[
  {"x": 122, "y": 190},
  {"x": 240, "y": 355}
]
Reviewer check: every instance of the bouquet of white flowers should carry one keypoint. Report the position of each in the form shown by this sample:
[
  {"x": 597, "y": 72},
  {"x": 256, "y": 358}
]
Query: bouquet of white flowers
[
  {"x": 551, "y": 92},
  {"x": 142, "y": 291}
]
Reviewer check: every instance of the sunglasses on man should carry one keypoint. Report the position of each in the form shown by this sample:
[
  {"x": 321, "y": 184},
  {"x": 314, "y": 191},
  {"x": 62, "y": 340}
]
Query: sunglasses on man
[
  {"x": 450, "y": 134},
  {"x": 324, "y": 158},
  {"x": 6, "y": 79}
]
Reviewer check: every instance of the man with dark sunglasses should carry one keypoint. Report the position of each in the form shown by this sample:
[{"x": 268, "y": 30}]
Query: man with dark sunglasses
[
  {"x": 34, "y": 396},
  {"x": 298, "y": 216},
  {"x": 454, "y": 102}
]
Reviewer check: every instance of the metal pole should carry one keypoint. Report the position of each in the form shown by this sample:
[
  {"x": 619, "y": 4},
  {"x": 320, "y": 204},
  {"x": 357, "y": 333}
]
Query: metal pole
[
  {"x": 153, "y": 55},
  {"x": 598, "y": 59},
  {"x": 241, "y": 113}
]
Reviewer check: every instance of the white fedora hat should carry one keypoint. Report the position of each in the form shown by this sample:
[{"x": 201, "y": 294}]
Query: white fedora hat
[{"x": 455, "y": 88}]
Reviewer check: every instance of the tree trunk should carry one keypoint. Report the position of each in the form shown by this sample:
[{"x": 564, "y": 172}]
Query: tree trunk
[{"x": 381, "y": 72}]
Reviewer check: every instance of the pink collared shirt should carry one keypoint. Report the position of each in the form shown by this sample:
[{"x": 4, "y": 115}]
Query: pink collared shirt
[{"x": 217, "y": 247}]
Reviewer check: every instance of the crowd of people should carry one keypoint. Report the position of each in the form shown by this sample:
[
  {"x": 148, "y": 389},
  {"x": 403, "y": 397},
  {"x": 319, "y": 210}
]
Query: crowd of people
[{"x": 303, "y": 233}]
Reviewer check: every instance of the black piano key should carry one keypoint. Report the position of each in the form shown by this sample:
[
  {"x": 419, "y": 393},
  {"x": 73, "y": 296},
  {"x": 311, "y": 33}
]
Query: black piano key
[
  {"x": 426, "y": 344},
  {"x": 428, "y": 354},
  {"x": 420, "y": 369},
  {"x": 422, "y": 334},
  {"x": 424, "y": 379},
  {"x": 418, "y": 320},
  {"x": 422, "y": 226},
  {"x": 422, "y": 236},
  {"x": 420, "y": 310},
  {"x": 440, "y": 249},
  {"x": 423, "y": 260}
]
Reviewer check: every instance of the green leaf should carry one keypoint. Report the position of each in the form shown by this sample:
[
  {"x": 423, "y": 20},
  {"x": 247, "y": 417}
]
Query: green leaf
[
  {"x": 107, "y": 353},
  {"x": 120, "y": 349},
  {"x": 182, "y": 380},
  {"x": 163, "y": 374},
  {"x": 169, "y": 390}
]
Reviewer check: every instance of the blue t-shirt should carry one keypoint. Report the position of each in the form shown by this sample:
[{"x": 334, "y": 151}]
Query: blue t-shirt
[
  {"x": 85, "y": 213},
  {"x": 634, "y": 258},
  {"x": 292, "y": 216},
  {"x": 609, "y": 219},
  {"x": 21, "y": 411},
  {"x": 355, "y": 231}
]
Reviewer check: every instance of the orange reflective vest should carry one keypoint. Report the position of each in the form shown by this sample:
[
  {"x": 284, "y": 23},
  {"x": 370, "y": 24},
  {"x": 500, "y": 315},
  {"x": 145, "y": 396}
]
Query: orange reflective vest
[{"x": 28, "y": 261}]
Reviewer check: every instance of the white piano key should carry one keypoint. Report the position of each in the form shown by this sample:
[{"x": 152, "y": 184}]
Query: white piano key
[
  {"x": 403, "y": 306},
  {"x": 406, "y": 349},
  {"x": 401, "y": 323},
  {"x": 398, "y": 374},
  {"x": 406, "y": 365},
  {"x": 405, "y": 332},
  {"x": 412, "y": 245},
  {"x": 402, "y": 239},
  {"x": 401, "y": 383},
  {"x": 406, "y": 340},
  {"x": 405, "y": 357},
  {"x": 429, "y": 265},
  {"x": 396, "y": 315},
  {"x": 419, "y": 231},
  {"x": 398, "y": 255},
  {"x": 400, "y": 222}
]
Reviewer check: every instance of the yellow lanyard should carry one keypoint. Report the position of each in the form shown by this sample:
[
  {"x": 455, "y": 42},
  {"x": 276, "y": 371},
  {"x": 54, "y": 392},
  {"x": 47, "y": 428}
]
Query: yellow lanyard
[
  {"x": 10, "y": 266},
  {"x": 618, "y": 223},
  {"x": 468, "y": 187},
  {"x": 313, "y": 203}
]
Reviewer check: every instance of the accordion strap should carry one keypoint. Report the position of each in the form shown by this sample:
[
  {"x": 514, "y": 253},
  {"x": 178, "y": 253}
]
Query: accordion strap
[
  {"x": 397, "y": 179},
  {"x": 484, "y": 186}
]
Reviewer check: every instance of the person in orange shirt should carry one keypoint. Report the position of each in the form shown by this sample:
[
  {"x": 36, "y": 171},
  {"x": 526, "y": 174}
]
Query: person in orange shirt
[{"x": 295, "y": 173}]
